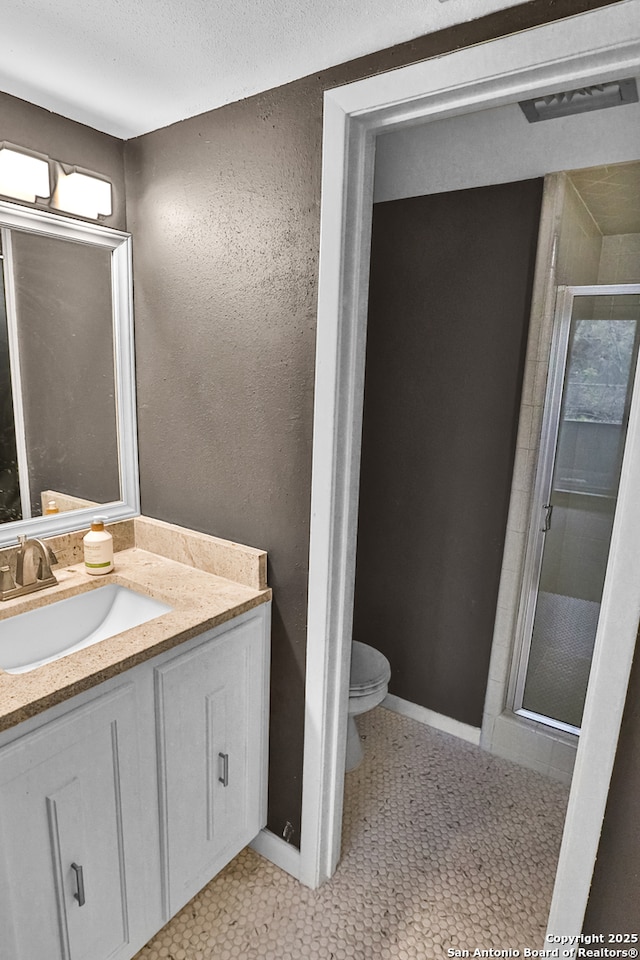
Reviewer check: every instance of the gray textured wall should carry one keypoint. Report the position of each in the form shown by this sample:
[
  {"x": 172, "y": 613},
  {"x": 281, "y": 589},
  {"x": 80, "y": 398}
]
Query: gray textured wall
[{"x": 225, "y": 208}]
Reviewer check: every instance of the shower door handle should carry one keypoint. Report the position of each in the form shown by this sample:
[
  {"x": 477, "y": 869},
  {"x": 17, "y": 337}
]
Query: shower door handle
[{"x": 546, "y": 526}]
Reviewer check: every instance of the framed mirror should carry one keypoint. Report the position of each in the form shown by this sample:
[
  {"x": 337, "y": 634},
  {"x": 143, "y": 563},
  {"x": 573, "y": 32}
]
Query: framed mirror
[{"x": 68, "y": 440}]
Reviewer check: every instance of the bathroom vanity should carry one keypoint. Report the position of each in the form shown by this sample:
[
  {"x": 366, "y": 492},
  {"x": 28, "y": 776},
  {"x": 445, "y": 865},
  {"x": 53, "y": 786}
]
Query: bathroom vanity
[{"x": 132, "y": 771}]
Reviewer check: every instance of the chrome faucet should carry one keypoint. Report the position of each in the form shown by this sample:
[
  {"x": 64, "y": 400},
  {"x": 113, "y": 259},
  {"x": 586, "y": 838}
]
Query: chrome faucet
[{"x": 33, "y": 570}]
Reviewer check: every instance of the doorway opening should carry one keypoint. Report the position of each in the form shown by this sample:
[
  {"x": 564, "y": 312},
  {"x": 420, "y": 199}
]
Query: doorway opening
[{"x": 582, "y": 50}]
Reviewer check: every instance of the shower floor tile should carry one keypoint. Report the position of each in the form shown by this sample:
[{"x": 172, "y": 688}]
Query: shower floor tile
[{"x": 444, "y": 846}]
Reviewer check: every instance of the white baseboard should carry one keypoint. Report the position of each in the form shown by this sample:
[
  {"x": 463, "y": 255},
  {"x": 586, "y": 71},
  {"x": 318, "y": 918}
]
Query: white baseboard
[
  {"x": 432, "y": 719},
  {"x": 278, "y": 851}
]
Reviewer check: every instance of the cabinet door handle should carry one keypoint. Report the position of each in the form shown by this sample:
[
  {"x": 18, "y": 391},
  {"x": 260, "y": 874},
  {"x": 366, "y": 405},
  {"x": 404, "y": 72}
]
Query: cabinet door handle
[
  {"x": 79, "y": 894},
  {"x": 224, "y": 779}
]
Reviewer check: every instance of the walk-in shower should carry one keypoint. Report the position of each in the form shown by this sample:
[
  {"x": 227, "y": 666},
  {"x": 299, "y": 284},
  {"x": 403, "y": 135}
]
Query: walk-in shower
[{"x": 589, "y": 393}]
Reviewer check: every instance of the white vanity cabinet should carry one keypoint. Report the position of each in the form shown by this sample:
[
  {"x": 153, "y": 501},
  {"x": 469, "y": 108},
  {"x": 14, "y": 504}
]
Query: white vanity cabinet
[
  {"x": 117, "y": 806},
  {"x": 69, "y": 812},
  {"x": 211, "y": 712}
]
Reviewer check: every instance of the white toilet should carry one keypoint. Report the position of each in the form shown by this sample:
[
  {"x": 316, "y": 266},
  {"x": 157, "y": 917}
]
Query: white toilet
[{"x": 370, "y": 674}]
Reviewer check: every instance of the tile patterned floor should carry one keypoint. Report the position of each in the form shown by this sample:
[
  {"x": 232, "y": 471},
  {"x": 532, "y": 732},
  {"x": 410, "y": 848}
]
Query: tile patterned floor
[{"x": 444, "y": 846}]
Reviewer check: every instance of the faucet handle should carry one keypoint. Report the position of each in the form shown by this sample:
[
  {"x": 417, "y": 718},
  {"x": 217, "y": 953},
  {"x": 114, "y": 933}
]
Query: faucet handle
[
  {"x": 47, "y": 557},
  {"x": 44, "y": 565},
  {"x": 51, "y": 554},
  {"x": 6, "y": 580}
]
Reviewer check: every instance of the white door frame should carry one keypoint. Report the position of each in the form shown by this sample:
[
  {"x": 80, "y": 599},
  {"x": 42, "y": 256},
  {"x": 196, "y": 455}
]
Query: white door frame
[{"x": 591, "y": 47}]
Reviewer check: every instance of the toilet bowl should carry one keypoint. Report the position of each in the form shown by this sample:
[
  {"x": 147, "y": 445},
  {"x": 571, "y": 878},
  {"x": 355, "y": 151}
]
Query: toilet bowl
[{"x": 370, "y": 674}]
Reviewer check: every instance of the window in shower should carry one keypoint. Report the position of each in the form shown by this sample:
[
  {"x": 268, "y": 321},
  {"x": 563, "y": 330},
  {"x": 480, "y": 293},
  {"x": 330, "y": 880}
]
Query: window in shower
[{"x": 594, "y": 358}]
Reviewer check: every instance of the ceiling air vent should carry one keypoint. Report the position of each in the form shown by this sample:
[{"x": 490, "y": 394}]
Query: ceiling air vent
[{"x": 597, "y": 97}]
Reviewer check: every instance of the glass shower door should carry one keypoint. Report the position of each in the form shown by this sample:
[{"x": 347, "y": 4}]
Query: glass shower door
[{"x": 594, "y": 358}]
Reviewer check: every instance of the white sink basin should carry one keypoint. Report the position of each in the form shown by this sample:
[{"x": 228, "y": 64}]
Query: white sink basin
[{"x": 39, "y": 636}]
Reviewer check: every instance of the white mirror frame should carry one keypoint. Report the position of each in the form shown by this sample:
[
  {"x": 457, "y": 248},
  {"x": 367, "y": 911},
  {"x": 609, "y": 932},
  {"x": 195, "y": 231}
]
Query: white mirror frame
[{"x": 27, "y": 219}]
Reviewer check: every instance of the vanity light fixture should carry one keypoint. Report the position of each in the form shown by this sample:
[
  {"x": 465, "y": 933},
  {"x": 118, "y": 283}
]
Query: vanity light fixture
[
  {"x": 82, "y": 193},
  {"x": 23, "y": 176}
]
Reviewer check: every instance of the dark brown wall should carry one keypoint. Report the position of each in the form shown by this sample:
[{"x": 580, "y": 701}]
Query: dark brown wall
[
  {"x": 225, "y": 211},
  {"x": 26, "y": 125},
  {"x": 449, "y": 304}
]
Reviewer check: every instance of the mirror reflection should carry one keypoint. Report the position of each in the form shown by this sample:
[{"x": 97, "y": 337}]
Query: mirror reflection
[
  {"x": 67, "y": 419},
  {"x": 64, "y": 367}
]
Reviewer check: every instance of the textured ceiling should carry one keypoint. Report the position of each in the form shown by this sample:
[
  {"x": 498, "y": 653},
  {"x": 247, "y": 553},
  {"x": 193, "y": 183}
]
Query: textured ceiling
[
  {"x": 612, "y": 196},
  {"x": 130, "y": 66}
]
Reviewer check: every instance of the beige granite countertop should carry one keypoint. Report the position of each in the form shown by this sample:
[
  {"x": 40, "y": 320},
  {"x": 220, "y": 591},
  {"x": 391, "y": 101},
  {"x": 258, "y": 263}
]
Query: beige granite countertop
[{"x": 199, "y": 599}]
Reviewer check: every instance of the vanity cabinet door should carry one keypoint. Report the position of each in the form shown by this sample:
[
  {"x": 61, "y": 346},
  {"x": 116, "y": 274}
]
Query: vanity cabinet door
[
  {"x": 212, "y": 723},
  {"x": 68, "y": 812}
]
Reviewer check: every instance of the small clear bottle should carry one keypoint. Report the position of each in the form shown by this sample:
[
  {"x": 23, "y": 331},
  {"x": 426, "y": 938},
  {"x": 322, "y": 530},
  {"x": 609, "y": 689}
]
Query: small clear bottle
[{"x": 98, "y": 549}]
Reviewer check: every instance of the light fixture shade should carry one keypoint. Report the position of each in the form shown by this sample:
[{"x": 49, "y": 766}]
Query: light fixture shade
[
  {"x": 83, "y": 194},
  {"x": 23, "y": 177}
]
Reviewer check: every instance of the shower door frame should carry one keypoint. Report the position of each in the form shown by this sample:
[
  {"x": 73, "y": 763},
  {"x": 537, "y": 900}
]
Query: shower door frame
[{"x": 542, "y": 490}]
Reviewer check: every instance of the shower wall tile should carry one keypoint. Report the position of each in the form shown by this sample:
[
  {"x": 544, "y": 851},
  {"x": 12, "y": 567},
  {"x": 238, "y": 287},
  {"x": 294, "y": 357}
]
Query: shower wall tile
[
  {"x": 524, "y": 425},
  {"x": 528, "y": 382},
  {"x": 620, "y": 259},
  {"x": 544, "y": 344},
  {"x": 542, "y": 372},
  {"x": 514, "y": 739},
  {"x": 536, "y": 747},
  {"x": 536, "y": 425},
  {"x": 509, "y": 587},
  {"x": 611, "y": 194},
  {"x": 500, "y": 658},
  {"x": 501, "y": 653},
  {"x": 523, "y": 477},
  {"x": 508, "y": 740},
  {"x": 494, "y": 702},
  {"x": 486, "y": 733},
  {"x": 561, "y": 776},
  {"x": 513, "y": 552},
  {"x": 563, "y": 755},
  {"x": 580, "y": 241},
  {"x": 539, "y": 766},
  {"x": 505, "y": 624},
  {"x": 518, "y": 511},
  {"x": 539, "y": 350}
]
